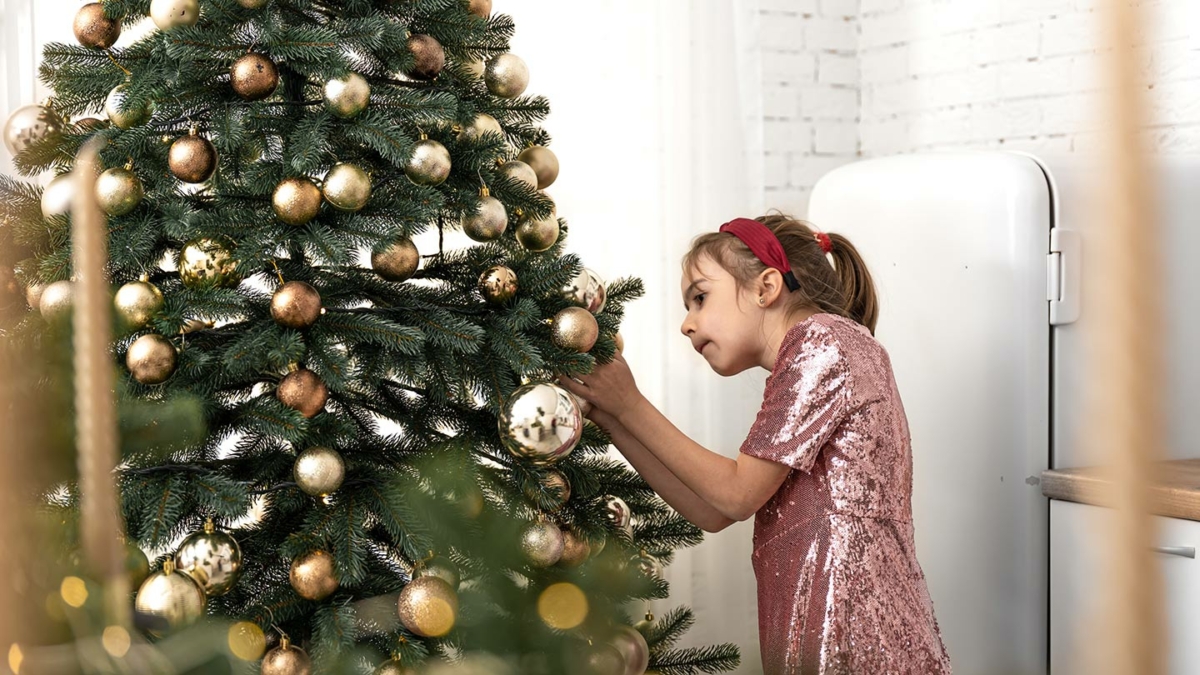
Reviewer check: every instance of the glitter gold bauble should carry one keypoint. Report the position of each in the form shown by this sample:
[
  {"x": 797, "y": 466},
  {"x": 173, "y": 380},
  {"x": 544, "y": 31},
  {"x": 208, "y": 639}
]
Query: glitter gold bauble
[
  {"x": 168, "y": 600},
  {"x": 575, "y": 550},
  {"x": 347, "y": 187},
  {"x": 498, "y": 285},
  {"x": 213, "y": 558},
  {"x": 319, "y": 471},
  {"x": 397, "y": 260},
  {"x": 296, "y": 305},
  {"x": 94, "y": 29},
  {"x": 393, "y": 667},
  {"x": 29, "y": 125},
  {"x": 286, "y": 659},
  {"x": 347, "y": 96},
  {"x": 151, "y": 359},
  {"x": 506, "y": 75},
  {"x": 296, "y": 200},
  {"x": 137, "y": 302},
  {"x": 575, "y": 329},
  {"x": 483, "y": 123},
  {"x": 635, "y": 653},
  {"x": 302, "y": 390},
  {"x": 488, "y": 220},
  {"x": 254, "y": 77},
  {"x": 618, "y": 514},
  {"x": 428, "y": 164},
  {"x": 58, "y": 195},
  {"x": 586, "y": 290},
  {"x": 123, "y": 114},
  {"x": 207, "y": 263},
  {"x": 542, "y": 544},
  {"x": 544, "y": 163},
  {"x": 56, "y": 300},
  {"x": 480, "y": 8},
  {"x": 171, "y": 14},
  {"x": 428, "y": 57},
  {"x": 192, "y": 158},
  {"x": 441, "y": 567},
  {"x": 539, "y": 234},
  {"x": 541, "y": 423},
  {"x": 428, "y": 607},
  {"x": 312, "y": 575},
  {"x": 520, "y": 172},
  {"x": 119, "y": 191}
]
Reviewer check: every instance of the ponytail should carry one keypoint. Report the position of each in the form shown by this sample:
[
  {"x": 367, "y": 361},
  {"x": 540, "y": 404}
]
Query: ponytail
[{"x": 858, "y": 288}]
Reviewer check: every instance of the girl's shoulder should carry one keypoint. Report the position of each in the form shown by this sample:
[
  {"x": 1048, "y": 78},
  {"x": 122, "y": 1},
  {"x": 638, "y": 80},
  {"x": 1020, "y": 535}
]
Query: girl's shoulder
[{"x": 829, "y": 330}]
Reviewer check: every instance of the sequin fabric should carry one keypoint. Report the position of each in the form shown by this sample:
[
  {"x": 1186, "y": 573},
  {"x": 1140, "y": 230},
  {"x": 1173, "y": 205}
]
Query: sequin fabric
[{"x": 839, "y": 586}]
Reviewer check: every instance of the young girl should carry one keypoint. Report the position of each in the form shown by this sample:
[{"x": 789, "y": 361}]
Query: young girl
[{"x": 827, "y": 468}]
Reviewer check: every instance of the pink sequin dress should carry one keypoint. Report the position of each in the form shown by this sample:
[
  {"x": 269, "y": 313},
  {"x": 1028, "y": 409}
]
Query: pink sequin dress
[{"x": 839, "y": 586}]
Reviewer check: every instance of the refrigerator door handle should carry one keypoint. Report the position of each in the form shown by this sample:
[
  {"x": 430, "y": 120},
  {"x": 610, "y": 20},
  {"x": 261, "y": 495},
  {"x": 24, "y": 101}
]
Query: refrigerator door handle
[
  {"x": 1063, "y": 277},
  {"x": 1181, "y": 551}
]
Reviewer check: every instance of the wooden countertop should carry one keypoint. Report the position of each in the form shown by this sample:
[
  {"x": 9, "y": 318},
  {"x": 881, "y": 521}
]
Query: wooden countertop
[{"x": 1176, "y": 491}]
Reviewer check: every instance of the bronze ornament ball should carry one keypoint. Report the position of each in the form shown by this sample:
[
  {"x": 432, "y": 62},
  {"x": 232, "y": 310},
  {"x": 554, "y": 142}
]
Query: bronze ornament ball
[
  {"x": 319, "y": 471},
  {"x": 428, "y": 607},
  {"x": 94, "y": 29},
  {"x": 119, "y": 191},
  {"x": 303, "y": 391},
  {"x": 397, "y": 260},
  {"x": 313, "y": 576},
  {"x": 254, "y": 77},
  {"x": 482, "y": 123},
  {"x": 488, "y": 220},
  {"x": 539, "y": 234},
  {"x": 429, "y": 163},
  {"x": 192, "y": 158},
  {"x": 297, "y": 200},
  {"x": 575, "y": 329},
  {"x": 520, "y": 172},
  {"x": 55, "y": 300},
  {"x": 544, "y": 163},
  {"x": 296, "y": 305},
  {"x": 429, "y": 57},
  {"x": 286, "y": 659},
  {"x": 480, "y": 8}
]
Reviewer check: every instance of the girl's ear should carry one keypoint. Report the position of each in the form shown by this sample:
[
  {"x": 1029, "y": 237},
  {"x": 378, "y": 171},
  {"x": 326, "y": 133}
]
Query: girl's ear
[{"x": 768, "y": 287}]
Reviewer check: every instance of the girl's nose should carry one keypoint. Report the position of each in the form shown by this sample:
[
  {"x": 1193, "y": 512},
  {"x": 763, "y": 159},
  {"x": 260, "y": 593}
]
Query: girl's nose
[{"x": 687, "y": 328}]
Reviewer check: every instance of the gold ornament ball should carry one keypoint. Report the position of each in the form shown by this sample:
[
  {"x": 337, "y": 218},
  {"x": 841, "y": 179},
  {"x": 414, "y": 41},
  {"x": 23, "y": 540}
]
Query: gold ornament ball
[
  {"x": 171, "y": 14},
  {"x": 483, "y": 123},
  {"x": 296, "y": 200},
  {"x": 587, "y": 290},
  {"x": 169, "y": 600},
  {"x": 29, "y": 125},
  {"x": 555, "y": 484},
  {"x": 119, "y": 191},
  {"x": 540, "y": 423},
  {"x": 253, "y": 4},
  {"x": 620, "y": 343},
  {"x": 428, "y": 57},
  {"x": 428, "y": 607},
  {"x": 602, "y": 659},
  {"x": 648, "y": 565},
  {"x": 192, "y": 158},
  {"x": 89, "y": 124},
  {"x": 429, "y": 163},
  {"x": 480, "y": 8},
  {"x": 394, "y": 667},
  {"x": 124, "y": 114},
  {"x": 137, "y": 302},
  {"x": 498, "y": 285},
  {"x": 151, "y": 359},
  {"x": 94, "y": 29},
  {"x": 213, "y": 558},
  {"x": 618, "y": 513},
  {"x": 544, "y": 163},
  {"x": 488, "y": 221},
  {"x": 520, "y": 172},
  {"x": 575, "y": 550},
  {"x": 207, "y": 263},
  {"x": 58, "y": 195},
  {"x": 286, "y": 659},
  {"x": 635, "y": 652},
  {"x": 137, "y": 565},
  {"x": 33, "y": 296},
  {"x": 539, "y": 234},
  {"x": 542, "y": 544},
  {"x": 441, "y": 567},
  {"x": 312, "y": 575},
  {"x": 575, "y": 329},
  {"x": 296, "y": 305},
  {"x": 254, "y": 77},
  {"x": 56, "y": 300},
  {"x": 302, "y": 390},
  {"x": 347, "y": 187},
  {"x": 397, "y": 260},
  {"x": 319, "y": 471},
  {"x": 476, "y": 68},
  {"x": 347, "y": 96},
  {"x": 506, "y": 75}
]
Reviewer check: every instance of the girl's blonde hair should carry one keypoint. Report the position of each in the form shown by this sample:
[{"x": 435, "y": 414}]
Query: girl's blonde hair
[{"x": 844, "y": 288}]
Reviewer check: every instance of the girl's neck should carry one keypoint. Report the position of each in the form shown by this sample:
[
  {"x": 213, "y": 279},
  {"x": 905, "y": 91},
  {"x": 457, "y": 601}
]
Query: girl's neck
[{"x": 782, "y": 325}]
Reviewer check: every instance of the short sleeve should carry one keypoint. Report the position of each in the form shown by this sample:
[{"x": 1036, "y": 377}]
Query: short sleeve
[{"x": 806, "y": 400}]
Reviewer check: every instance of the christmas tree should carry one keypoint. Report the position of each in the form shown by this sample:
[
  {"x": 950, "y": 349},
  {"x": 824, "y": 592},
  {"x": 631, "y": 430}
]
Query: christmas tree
[{"x": 388, "y": 476}]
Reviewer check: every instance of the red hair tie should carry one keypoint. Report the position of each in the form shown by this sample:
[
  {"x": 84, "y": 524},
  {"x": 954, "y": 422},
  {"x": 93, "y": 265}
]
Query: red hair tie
[
  {"x": 825, "y": 242},
  {"x": 765, "y": 245}
]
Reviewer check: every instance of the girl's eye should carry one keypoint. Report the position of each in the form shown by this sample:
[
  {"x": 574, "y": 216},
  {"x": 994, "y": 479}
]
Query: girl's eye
[{"x": 698, "y": 299}]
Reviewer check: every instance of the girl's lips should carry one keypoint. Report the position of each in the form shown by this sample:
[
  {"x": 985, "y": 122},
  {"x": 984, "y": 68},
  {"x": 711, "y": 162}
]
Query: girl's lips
[{"x": 700, "y": 349}]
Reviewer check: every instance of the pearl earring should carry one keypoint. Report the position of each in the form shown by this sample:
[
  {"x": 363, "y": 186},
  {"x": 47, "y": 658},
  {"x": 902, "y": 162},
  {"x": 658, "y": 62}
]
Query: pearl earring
[{"x": 761, "y": 301}]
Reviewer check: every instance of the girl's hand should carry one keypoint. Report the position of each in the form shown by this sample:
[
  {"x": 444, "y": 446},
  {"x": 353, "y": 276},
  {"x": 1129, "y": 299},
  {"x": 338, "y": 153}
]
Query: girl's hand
[{"x": 610, "y": 388}]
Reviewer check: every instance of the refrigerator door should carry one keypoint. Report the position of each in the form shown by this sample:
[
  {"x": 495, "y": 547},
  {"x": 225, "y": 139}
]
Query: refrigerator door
[{"x": 957, "y": 244}]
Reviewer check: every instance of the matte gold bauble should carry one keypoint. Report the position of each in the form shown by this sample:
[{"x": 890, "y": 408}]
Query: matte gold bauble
[
  {"x": 122, "y": 113},
  {"x": 29, "y": 125},
  {"x": 544, "y": 163},
  {"x": 253, "y": 4},
  {"x": 428, "y": 607},
  {"x": 56, "y": 300},
  {"x": 192, "y": 158},
  {"x": 542, "y": 544},
  {"x": 302, "y": 390},
  {"x": 476, "y": 68},
  {"x": 169, "y": 600},
  {"x": 482, "y": 124},
  {"x": 575, "y": 550},
  {"x": 539, "y": 234},
  {"x": 575, "y": 329},
  {"x": 488, "y": 220},
  {"x": 480, "y": 8},
  {"x": 440, "y": 567},
  {"x": 90, "y": 124},
  {"x": 58, "y": 195},
  {"x": 635, "y": 652},
  {"x": 319, "y": 471},
  {"x": 394, "y": 667},
  {"x": 429, "y": 163},
  {"x": 151, "y": 359},
  {"x": 586, "y": 290},
  {"x": 296, "y": 305},
  {"x": 254, "y": 77},
  {"x": 94, "y": 29},
  {"x": 429, "y": 57},
  {"x": 506, "y": 75},
  {"x": 207, "y": 263},
  {"x": 520, "y": 172},
  {"x": 171, "y": 14},
  {"x": 347, "y": 187},
  {"x": 286, "y": 659},
  {"x": 498, "y": 285},
  {"x": 618, "y": 513},
  {"x": 397, "y": 260},
  {"x": 213, "y": 558},
  {"x": 313, "y": 576},
  {"x": 137, "y": 302},
  {"x": 347, "y": 96},
  {"x": 297, "y": 200},
  {"x": 119, "y": 191},
  {"x": 540, "y": 423}
]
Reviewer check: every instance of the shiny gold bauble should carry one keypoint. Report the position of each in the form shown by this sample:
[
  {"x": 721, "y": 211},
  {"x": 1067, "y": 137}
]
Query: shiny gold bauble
[
  {"x": 347, "y": 96},
  {"x": 428, "y": 606},
  {"x": 575, "y": 329},
  {"x": 347, "y": 187},
  {"x": 476, "y": 68},
  {"x": 544, "y": 163},
  {"x": 296, "y": 305},
  {"x": 123, "y": 114},
  {"x": 296, "y": 200},
  {"x": 58, "y": 195},
  {"x": 506, "y": 75},
  {"x": 645, "y": 624},
  {"x": 33, "y": 296},
  {"x": 480, "y": 8},
  {"x": 56, "y": 300},
  {"x": 29, "y": 125},
  {"x": 313, "y": 576},
  {"x": 541, "y": 423},
  {"x": 253, "y": 4},
  {"x": 618, "y": 514},
  {"x": 286, "y": 659},
  {"x": 429, "y": 163},
  {"x": 575, "y": 549},
  {"x": 192, "y": 158},
  {"x": 319, "y": 471},
  {"x": 137, "y": 302},
  {"x": 169, "y": 600},
  {"x": 620, "y": 343},
  {"x": 397, "y": 260},
  {"x": 539, "y": 234},
  {"x": 635, "y": 653},
  {"x": 600, "y": 659},
  {"x": 151, "y": 359},
  {"x": 555, "y": 483},
  {"x": 94, "y": 29},
  {"x": 207, "y": 263},
  {"x": 254, "y": 77},
  {"x": 586, "y": 290},
  {"x": 482, "y": 124},
  {"x": 171, "y": 14},
  {"x": 541, "y": 544},
  {"x": 487, "y": 221},
  {"x": 302, "y": 390},
  {"x": 119, "y": 191},
  {"x": 441, "y": 567},
  {"x": 429, "y": 57},
  {"x": 498, "y": 285},
  {"x": 520, "y": 172},
  {"x": 90, "y": 124},
  {"x": 213, "y": 558},
  {"x": 648, "y": 565}
]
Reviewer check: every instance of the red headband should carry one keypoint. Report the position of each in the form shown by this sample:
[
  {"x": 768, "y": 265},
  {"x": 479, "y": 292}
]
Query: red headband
[{"x": 764, "y": 244}]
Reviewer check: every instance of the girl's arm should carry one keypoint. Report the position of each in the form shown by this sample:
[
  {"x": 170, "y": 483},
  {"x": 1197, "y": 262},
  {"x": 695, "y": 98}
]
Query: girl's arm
[{"x": 666, "y": 484}]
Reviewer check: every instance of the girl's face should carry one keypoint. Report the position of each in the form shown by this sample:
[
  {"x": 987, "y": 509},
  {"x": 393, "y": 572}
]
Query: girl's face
[{"x": 724, "y": 324}]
